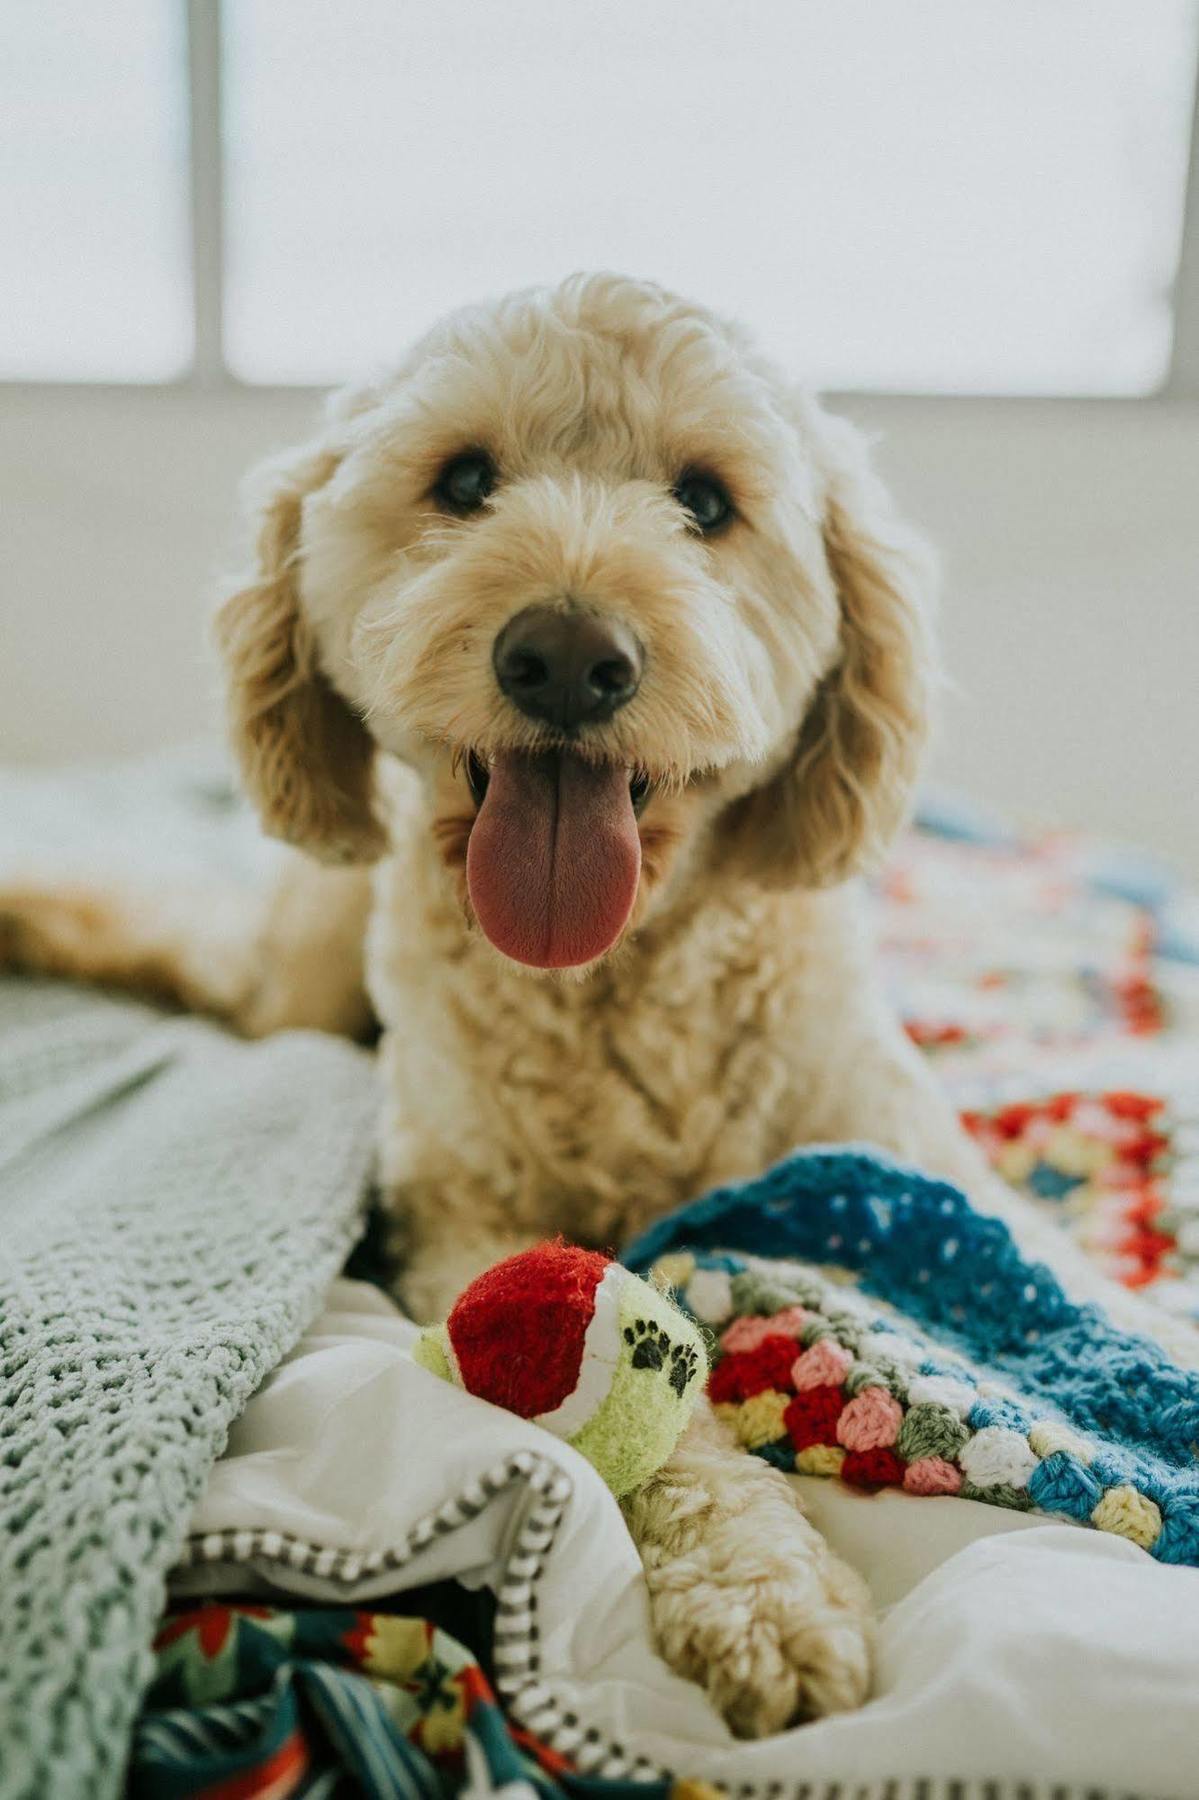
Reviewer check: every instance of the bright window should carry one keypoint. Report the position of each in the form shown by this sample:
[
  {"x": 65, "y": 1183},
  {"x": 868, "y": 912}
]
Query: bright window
[
  {"x": 95, "y": 278},
  {"x": 932, "y": 197}
]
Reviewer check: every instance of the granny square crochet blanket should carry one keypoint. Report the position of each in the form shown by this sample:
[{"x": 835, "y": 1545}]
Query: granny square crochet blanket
[{"x": 869, "y": 1324}]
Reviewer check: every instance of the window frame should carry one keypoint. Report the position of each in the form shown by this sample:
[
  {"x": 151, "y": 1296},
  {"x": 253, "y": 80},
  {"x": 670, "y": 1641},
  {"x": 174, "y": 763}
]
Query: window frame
[{"x": 208, "y": 369}]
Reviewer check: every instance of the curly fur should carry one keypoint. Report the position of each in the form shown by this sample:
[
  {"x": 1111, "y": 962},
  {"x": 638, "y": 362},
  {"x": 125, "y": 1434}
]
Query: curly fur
[
  {"x": 785, "y": 702},
  {"x": 305, "y": 758},
  {"x": 747, "y": 1597}
]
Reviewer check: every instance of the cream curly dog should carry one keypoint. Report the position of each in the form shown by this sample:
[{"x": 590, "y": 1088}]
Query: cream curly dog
[{"x": 605, "y": 647}]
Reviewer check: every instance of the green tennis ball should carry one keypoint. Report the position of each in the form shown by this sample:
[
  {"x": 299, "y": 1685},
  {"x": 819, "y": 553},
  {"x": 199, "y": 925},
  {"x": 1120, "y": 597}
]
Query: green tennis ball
[{"x": 581, "y": 1346}]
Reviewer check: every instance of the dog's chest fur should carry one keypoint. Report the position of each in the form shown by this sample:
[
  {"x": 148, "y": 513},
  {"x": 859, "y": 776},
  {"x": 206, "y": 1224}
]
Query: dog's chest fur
[{"x": 537, "y": 1104}]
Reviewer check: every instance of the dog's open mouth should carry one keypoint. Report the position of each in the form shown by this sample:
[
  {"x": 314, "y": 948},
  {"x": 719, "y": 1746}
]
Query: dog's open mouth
[{"x": 554, "y": 856}]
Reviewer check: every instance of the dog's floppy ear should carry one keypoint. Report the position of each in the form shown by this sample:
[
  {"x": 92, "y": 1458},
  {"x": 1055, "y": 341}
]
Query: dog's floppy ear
[
  {"x": 306, "y": 758},
  {"x": 843, "y": 793}
]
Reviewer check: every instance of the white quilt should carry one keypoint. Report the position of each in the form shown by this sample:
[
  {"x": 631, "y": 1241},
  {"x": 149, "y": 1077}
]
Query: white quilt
[{"x": 1015, "y": 1656}]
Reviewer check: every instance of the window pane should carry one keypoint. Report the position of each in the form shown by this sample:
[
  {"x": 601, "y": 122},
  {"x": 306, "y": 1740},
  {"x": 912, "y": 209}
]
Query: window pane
[
  {"x": 928, "y": 197},
  {"x": 94, "y": 253}
]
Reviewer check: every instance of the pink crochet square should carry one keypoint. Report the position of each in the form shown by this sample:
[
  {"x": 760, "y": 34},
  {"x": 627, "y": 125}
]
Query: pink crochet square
[{"x": 825, "y": 1364}]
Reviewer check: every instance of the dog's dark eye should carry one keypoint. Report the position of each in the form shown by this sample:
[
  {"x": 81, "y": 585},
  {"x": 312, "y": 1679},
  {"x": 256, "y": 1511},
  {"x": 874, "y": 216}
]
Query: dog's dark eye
[
  {"x": 705, "y": 499},
  {"x": 465, "y": 483}
]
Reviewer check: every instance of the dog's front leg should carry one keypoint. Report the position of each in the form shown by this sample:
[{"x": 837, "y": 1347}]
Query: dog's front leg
[
  {"x": 438, "y": 1263},
  {"x": 747, "y": 1598}
]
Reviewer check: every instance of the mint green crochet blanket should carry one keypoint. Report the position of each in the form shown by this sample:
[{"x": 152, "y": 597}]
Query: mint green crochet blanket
[{"x": 173, "y": 1204}]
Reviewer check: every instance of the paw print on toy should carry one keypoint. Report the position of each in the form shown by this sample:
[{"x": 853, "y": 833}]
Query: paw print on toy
[
  {"x": 654, "y": 1348},
  {"x": 684, "y": 1367},
  {"x": 651, "y": 1345}
]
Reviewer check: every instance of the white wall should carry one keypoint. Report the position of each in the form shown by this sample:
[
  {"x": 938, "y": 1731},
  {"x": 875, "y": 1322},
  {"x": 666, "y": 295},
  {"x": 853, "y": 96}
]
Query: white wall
[
  {"x": 1070, "y": 534},
  {"x": 1070, "y": 617}
]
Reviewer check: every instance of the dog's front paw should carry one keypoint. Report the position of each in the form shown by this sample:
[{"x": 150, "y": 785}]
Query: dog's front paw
[
  {"x": 747, "y": 1599},
  {"x": 776, "y": 1632}
]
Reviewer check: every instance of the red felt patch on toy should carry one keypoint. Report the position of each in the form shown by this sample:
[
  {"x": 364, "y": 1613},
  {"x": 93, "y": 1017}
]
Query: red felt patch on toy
[{"x": 518, "y": 1330}]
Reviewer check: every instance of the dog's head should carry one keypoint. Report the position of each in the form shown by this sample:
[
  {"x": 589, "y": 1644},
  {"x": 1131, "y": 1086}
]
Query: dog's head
[{"x": 626, "y": 601}]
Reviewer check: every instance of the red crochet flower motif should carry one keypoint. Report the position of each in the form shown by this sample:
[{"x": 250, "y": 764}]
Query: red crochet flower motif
[
  {"x": 812, "y": 1416},
  {"x": 873, "y": 1469},
  {"x": 749, "y": 1372}
]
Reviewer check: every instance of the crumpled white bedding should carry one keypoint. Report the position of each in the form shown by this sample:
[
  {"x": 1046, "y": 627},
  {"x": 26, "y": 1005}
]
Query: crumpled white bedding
[{"x": 1012, "y": 1651}]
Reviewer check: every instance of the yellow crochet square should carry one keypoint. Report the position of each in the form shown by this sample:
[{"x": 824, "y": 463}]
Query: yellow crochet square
[
  {"x": 674, "y": 1270},
  {"x": 760, "y": 1418},
  {"x": 1130, "y": 1514},
  {"x": 820, "y": 1459}
]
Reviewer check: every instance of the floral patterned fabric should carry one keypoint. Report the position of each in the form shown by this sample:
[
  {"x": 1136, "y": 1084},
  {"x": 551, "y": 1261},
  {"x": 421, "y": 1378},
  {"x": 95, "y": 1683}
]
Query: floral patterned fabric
[
  {"x": 323, "y": 1702},
  {"x": 1056, "y": 987}
]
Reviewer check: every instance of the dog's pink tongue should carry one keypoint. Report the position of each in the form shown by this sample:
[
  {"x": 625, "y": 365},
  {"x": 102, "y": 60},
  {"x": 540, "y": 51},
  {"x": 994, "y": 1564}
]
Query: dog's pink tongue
[{"x": 554, "y": 859}]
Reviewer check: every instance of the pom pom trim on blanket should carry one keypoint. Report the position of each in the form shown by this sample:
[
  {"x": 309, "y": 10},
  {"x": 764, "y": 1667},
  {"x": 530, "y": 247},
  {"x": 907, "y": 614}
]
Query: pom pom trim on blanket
[
  {"x": 971, "y": 1373},
  {"x": 520, "y": 1680}
]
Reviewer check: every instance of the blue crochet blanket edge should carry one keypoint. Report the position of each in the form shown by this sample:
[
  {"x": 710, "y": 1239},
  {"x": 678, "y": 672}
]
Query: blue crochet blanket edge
[{"x": 917, "y": 1243}]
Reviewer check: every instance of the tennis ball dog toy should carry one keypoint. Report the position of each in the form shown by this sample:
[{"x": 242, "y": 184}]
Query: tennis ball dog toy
[{"x": 573, "y": 1341}]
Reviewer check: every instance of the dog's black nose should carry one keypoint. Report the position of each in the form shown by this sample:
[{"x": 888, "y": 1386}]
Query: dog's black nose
[{"x": 567, "y": 667}]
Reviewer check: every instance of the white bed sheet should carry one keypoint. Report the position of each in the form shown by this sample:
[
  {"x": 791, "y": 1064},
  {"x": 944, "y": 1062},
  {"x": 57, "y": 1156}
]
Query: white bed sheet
[{"x": 1011, "y": 1650}]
